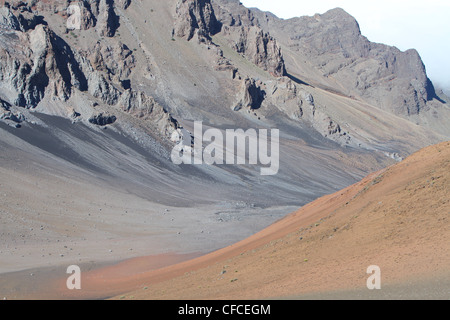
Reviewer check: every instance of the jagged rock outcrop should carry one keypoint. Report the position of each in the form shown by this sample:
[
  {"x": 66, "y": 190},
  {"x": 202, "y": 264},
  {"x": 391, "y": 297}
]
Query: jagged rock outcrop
[
  {"x": 8, "y": 20},
  {"x": 18, "y": 16},
  {"x": 245, "y": 36},
  {"x": 195, "y": 17},
  {"x": 14, "y": 119},
  {"x": 97, "y": 13},
  {"x": 145, "y": 107},
  {"x": 224, "y": 64},
  {"x": 4, "y": 106},
  {"x": 232, "y": 13},
  {"x": 73, "y": 115},
  {"x": 286, "y": 96},
  {"x": 349, "y": 63},
  {"x": 7, "y": 115},
  {"x": 88, "y": 19},
  {"x": 258, "y": 47},
  {"x": 117, "y": 61},
  {"x": 102, "y": 89},
  {"x": 252, "y": 95},
  {"x": 36, "y": 63},
  {"x": 107, "y": 21}
]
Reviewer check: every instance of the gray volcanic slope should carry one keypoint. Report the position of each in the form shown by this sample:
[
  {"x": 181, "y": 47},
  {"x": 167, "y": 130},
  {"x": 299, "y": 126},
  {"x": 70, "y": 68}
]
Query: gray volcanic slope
[
  {"x": 88, "y": 119},
  {"x": 115, "y": 157}
]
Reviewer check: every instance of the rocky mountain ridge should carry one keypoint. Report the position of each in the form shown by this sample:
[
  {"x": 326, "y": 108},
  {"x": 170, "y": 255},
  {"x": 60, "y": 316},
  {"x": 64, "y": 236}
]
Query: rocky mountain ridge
[
  {"x": 332, "y": 43},
  {"x": 217, "y": 61},
  {"x": 329, "y": 51},
  {"x": 36, "y": 62}
]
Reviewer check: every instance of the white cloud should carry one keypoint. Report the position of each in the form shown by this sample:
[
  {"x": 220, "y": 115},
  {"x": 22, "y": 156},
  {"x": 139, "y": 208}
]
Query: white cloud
[{"x": 423, "y": 25}]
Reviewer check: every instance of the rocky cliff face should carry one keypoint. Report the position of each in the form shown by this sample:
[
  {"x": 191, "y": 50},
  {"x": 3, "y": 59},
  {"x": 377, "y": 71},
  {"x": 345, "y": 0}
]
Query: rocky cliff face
[
  {"x": 233, "y": 14},
  {"x": 252, "y": 95},
  {"x": 116, "y": 61},
  {"x": 380, "y": 74},
  {"x": 244, "y": 34},
  {"x": 23, "y": 18},
  {"x": 349, "y": 63},
  {"x": 36, "y": 63},
  {"x": 195, "y": 17},
  {"x": 297, "y": 103},
  {"x": 124, "y": 65},
  {"x": 258, "y": 47},
  {"x": 108, "y": 21},
  {"x": 199, "y": 17}
]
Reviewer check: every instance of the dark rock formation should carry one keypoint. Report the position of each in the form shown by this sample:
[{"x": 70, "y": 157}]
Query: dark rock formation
[
  {"x": 233, "y": 14},
  {"x": 18, "y": 16},
  {"x": 117, "y": 61},
  {"x": 88, "y": 19},
  {"x": 4, "y": 106},
  {"x": 101, "y": 119},
  {"x": 259, "y": 47},
  {"x": 17, "y": 118},
  {"x": 7, "y": 115},
  {"x": 107, "y": 21},
  {"x": 252, "y": 95},
  {"x": 243, "y": 31},
  {"x": 36, "y": 62},
  {"x": 196, "y": 16},
  {"x": 224, "y": 64}
]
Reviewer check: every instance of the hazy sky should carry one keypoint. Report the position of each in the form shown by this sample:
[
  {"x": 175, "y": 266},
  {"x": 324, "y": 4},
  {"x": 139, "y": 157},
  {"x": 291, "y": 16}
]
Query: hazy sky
[{"x": 423, "y": 25}]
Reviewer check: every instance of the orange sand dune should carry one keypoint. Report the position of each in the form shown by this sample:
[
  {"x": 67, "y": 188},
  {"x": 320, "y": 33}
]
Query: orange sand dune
[{"x": 397, "y": 218}]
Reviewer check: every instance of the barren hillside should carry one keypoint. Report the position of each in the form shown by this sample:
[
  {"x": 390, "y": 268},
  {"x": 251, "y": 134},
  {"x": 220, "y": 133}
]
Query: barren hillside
[{"x": 396, "y": 218}]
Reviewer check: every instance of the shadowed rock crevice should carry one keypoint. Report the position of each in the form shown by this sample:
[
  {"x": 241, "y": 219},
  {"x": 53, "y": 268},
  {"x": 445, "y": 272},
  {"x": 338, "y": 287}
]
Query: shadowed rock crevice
[{"x": 68, "y": 65}]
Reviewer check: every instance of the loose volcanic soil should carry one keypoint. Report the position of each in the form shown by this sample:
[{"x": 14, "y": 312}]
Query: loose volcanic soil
[{"x": 397, "y": 219}]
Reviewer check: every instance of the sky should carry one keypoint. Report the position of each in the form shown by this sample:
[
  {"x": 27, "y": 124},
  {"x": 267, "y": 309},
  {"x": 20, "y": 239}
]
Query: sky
[{"x": 420, "y": 24}]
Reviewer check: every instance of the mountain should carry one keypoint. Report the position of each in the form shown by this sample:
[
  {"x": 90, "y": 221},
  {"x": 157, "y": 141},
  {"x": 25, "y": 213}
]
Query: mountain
[
  {"x": 100, "y": 110},
  {"x": 329, "y": 51}
]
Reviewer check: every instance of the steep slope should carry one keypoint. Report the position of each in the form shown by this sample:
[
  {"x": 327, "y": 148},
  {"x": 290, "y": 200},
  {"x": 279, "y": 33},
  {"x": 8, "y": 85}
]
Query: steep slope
[{"x": 396, "y": 218}]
